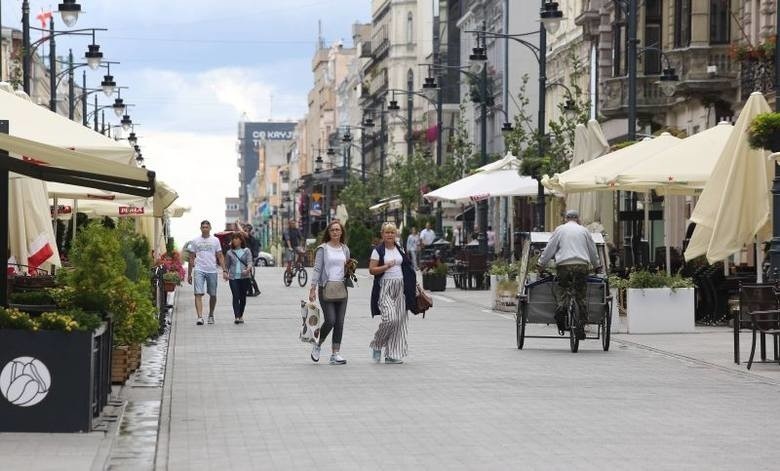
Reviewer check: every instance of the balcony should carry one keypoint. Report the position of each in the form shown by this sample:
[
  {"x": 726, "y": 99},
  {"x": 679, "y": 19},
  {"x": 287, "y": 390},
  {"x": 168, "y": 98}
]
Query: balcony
[
  {"x": 704, "y": 70},
  {"x": 365, "y": 50},
  {"x": 756, "y": 75},
  {"x": 650, "y": 100}
]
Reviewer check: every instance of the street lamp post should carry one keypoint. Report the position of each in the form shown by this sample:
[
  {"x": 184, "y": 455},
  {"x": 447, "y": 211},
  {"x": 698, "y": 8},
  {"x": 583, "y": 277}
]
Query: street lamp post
[
  {"x": 550, "y": 18},
  {"x": 774, "y": 252}
]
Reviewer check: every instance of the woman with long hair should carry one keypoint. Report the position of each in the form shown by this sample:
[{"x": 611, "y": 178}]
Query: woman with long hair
[
  {"x": 328, "y": 283},
  {"x": 394, "y": 283},
  {"x": 238, "y": 272}
]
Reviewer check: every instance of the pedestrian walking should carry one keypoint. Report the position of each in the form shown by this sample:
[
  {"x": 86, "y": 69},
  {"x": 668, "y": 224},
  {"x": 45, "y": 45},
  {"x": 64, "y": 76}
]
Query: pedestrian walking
[
  {"x": 254, "y": 247},
  {"x": 238, "y": 273},
  {"x": 328, "y": 282},
  {"x": 413, "y": 247},
  {"x": 427, "y": 236},
  {"x": 393, "y": 291},
  {"x": 205, "y": 260}
]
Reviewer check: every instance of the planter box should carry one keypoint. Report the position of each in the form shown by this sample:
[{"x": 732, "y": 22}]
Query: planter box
[
  {"x": 619, "y": 323},
  {"x": 434, "y": 282},
  {"x": 120, "y": 364},
  {"x": 660, "y": 311},
  {"x": 50, "y": 381}
]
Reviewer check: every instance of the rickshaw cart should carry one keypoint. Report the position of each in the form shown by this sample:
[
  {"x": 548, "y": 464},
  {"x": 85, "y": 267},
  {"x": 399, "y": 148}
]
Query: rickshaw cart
[{"x": 538, "y": 294}]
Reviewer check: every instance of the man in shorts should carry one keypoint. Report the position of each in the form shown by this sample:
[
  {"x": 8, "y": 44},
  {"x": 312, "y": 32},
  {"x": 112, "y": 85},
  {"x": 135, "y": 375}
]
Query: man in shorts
[{"x": 206, "y": 259}]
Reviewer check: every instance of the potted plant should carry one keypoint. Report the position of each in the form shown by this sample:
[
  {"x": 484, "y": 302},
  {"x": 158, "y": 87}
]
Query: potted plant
[
  {"x": 171, "y": 280},
  {"x": 506, "y": 295},
  {"x": 435, "y": 277},
  {"x": 47, "y": 370},
  {"x": 656, "y": 303},
  {"x": 36, "y": 301},
  {"x": 764, "y": 132}
]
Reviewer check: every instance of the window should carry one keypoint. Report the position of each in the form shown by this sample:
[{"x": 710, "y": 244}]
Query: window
[
  {"x": 409, "y": 28},
  {"x": 719, "y": 21},
  {"x": 682, "y": 23},
  {"x": 618, "y": 42},
  {"x": 653, "y": 37}
]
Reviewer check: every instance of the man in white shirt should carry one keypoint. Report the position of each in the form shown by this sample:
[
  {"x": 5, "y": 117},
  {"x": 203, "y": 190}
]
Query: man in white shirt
[
  {"x": 206, "y": 259},
  {"x": 427, "y": 236},
  {"x": 573, "y": 249}
]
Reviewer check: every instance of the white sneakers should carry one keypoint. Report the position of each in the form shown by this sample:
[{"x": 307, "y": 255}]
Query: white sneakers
[
  {"x": 336, "y": 359},
  {"x": 315, "y": 352}
]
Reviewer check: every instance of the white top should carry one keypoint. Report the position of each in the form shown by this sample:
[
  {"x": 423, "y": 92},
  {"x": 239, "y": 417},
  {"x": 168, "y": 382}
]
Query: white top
[
  {"x": 571, "y": 243},
  {"x": 427, "y": 236},
  {"x": 394, "y": 272},
  {"x": 205, "y": 250},
  {"x": 334, "y": 263},
  {"x": 413, "y": 242}
]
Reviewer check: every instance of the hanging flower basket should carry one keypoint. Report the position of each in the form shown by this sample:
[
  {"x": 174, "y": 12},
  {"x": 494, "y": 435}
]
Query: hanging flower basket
[
  {"x": 764, "y": 132},
  {"x": 169, "y": 287}
]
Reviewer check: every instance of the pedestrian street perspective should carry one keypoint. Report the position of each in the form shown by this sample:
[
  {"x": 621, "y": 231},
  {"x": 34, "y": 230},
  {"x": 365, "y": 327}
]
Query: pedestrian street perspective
[{"x": 390, "y": 234}]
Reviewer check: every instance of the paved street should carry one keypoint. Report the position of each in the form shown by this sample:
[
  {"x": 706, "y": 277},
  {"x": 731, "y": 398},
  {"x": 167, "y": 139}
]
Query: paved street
[{"x": 248, "y": 397}]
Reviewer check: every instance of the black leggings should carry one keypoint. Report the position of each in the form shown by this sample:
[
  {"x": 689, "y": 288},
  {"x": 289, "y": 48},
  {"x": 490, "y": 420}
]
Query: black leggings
[
  {"x": 333, "y": 312},
  {"x": 239, "y": 289}
]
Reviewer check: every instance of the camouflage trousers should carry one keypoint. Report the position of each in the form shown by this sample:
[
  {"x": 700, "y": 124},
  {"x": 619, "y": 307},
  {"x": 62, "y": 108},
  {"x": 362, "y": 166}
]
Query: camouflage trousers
[{"x": 573, "y": 279}]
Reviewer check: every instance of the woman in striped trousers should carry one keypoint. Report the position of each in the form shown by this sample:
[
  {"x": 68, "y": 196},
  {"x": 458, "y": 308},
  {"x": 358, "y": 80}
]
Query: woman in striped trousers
[{"x": 393, "y": 277}]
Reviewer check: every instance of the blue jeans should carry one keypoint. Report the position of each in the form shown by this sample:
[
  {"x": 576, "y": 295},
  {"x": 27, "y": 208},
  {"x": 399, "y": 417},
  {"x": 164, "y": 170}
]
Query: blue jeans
[{"x": 239, "y": 288}]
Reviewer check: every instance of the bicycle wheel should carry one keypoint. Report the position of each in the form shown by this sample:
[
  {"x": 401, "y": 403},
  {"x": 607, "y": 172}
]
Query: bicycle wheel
[
  {"x": 303, "y": 277},
  {"x": 520, "y": 323},
  {"x": 574, "y": 342},
  {"x": 606, "y": 328},
  {"x": 288, "y": 277}
]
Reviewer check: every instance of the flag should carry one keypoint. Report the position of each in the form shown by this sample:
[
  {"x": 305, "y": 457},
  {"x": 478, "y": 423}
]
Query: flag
[
  {"x": 40, "y": 250},
  {"x": 44, "y": 17}
]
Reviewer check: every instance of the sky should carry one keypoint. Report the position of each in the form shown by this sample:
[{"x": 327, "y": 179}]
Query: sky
[{"x": 193, "y": 68}]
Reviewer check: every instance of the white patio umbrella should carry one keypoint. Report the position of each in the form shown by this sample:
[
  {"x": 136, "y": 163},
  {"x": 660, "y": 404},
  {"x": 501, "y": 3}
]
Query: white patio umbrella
[
  {"x": 734, "y": 207},
  {"x": 500, "y": 178}
]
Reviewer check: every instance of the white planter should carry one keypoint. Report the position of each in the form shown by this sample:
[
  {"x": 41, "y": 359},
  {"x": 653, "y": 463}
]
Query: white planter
[{"x": 660, "y": 311}]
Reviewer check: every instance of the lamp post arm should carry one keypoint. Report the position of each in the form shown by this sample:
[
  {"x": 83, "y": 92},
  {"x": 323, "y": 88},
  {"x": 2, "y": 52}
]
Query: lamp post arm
[
  {"x": 419, "y": 94},
  {"x": 76, "y": 32},
  {"x": 514, "y": 37}
]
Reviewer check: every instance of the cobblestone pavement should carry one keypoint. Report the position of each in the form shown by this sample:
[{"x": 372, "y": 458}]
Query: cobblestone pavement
[{"x": 248, "y": 397}]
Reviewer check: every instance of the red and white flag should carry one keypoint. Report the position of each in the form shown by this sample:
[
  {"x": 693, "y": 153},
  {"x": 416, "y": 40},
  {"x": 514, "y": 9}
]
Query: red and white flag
[
  {"x": 40, "y": 250},
  {"x": 44, "y": 17}
]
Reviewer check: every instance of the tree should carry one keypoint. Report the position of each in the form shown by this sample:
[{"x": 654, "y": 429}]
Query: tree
[
  {"x": 358, "y": 196},
  {"x": 461, "y": 157},
  {"x": 524, "y": 139},
  {"x": 409, "y": 175}
]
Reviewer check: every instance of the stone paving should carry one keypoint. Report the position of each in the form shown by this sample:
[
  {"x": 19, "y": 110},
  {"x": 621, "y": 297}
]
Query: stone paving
[{"x": 248, "y": 396}]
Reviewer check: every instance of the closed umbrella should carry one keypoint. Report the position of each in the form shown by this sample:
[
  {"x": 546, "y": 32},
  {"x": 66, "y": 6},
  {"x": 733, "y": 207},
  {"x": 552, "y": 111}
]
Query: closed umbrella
[
  {"x": 734, "y": 206},
  {"x": 32, "y": 239},
  {"x": 589, "y": 144}
]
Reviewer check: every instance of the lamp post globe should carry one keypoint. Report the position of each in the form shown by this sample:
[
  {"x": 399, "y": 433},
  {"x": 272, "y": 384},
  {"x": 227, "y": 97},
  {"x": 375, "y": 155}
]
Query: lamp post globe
[
  {"x": 551, "y": 17},
  {"x": 119, "y": 107},
  {"x": 132, "y": 139},
  {"x": 318, "y": 165},
  {"x": 69, "y": 12},
  {"x": 126, "y": 122},
  {"x": 393, "y": 108},
  {"x": 108, "y": 85},
  {"x": 93, "y": 56},
  {"x": 507, "y": 129},
  {"x": 347, "y": 138},
  {"x": 430, "y": 88}
]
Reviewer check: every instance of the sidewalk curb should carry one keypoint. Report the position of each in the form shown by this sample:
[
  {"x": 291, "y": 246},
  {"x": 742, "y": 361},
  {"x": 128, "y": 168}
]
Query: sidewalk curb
[
  {"x": 679, "y": 356},
  {"x": 164, "y": 424},
  {"x": 103, "y": 455}
]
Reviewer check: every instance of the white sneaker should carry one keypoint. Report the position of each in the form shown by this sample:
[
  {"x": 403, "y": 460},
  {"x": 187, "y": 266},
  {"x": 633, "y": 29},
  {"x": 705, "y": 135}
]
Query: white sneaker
[
  {"x": 336, "y": 359},
  {"x": 211, "y": 319},
  {"x": 315, "y": 353}
]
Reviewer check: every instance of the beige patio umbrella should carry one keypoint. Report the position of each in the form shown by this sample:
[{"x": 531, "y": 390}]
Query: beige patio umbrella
[
  {"x": 589, "y": 144},
  {"x": 600, "y": 174},
  {"x": 734, "y": 207}
]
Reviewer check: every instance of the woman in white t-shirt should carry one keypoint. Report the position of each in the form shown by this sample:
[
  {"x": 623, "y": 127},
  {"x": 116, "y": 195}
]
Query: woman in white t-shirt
[
  {"x": 391, "y": 302},
  {"x": 330, "y": 261}
]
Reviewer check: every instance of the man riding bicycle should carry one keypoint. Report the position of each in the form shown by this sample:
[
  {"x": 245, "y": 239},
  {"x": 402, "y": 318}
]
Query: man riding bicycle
[
  {"x": 293, "y": 239},
  {"x": 572, "y": 248}
]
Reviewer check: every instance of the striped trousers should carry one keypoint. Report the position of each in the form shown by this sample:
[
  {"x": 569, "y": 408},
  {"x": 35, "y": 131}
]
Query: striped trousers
[{"x": 391, "y": 334}]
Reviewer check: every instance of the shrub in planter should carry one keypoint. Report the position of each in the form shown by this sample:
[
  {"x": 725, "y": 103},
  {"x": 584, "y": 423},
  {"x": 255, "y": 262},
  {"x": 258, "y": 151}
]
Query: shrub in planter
[
  {"x": 35, "y": 298},
  {"x": 764, "y": 132},
  {"x": 435, "y": 277},
  {"x": 171, "y": 279}
]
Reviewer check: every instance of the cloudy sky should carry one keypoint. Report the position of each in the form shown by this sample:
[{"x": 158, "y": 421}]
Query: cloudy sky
[{"x": 194, "y": 66}]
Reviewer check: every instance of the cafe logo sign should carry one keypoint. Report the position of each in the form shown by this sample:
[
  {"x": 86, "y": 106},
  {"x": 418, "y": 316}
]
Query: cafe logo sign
[
  {"x": 130, "y": 211},
  {"x": 25, "y": 381}
]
